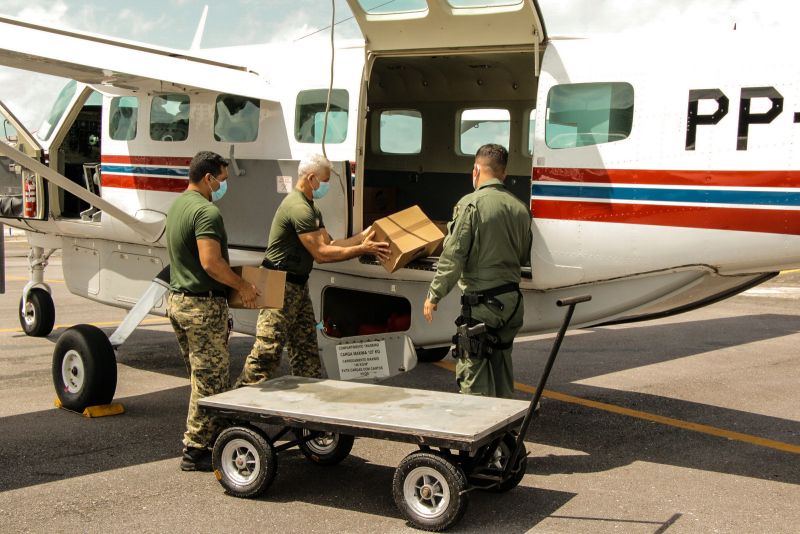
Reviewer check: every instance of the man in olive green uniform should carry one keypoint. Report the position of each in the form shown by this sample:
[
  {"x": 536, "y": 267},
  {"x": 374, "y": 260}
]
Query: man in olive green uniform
[
  {"x": 297, "y": 238},
  {"x": 488, "y": 241},
  {"x": 197, "y": 305}
]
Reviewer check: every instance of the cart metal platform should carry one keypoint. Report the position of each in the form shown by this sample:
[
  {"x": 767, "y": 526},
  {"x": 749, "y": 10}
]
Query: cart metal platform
[{"x": 432, "y": 418}]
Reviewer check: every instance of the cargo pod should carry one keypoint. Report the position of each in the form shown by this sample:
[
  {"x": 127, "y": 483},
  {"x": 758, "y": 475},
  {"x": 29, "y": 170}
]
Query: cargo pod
[{"x": 443, "y": 77}]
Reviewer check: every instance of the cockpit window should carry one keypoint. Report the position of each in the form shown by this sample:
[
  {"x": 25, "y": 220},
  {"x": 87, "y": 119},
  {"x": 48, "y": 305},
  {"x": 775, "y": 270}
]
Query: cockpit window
[
  {"x": 309, "y": 118},
  {"x": 169, "y": 117},
  {"x": 123, "y": 118},
  {"x": 8, "y": 132},
  {"x": 384, "y": 7},
  {"x": 59, "y": 107},
  {"x": 236, "y": 119},
  {"x": 585, "y": 114}
]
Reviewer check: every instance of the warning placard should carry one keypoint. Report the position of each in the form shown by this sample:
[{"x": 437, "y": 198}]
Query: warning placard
[
  {"x": 284, "y": 184},
  {"x": 362, "y": 360}
]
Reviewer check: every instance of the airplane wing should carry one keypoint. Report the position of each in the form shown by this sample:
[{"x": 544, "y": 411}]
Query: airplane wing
[{"x": 130, "y": 66}]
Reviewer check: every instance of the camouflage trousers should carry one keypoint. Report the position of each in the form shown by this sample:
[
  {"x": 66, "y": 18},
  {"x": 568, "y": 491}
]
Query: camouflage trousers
[
  {"x": 493, "y": 375},
  {"x": 201, "y": 325},
  {"x": 292, "y": 327}
]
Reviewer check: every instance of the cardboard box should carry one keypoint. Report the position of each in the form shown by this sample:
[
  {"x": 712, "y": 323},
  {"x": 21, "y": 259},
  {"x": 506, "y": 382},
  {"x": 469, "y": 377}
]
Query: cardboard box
[
  {"x": 270, "y": 283},
  {"x": 410, "y": 235}
]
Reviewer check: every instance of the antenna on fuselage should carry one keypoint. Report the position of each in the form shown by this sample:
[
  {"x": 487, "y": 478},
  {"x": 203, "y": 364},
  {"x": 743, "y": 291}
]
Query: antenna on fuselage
[{"x": 201, "y": 26}]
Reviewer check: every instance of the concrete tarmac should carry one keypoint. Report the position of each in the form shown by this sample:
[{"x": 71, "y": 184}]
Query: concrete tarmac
[{"x": 685, "y": 424}]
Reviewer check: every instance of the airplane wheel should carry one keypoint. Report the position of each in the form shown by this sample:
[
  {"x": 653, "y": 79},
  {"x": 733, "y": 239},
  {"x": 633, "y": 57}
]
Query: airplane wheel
[
  {"x": 432, "y": 355},
  {"x": 84, "y": 368},
  {"x": 428, "y": 489},
  {"x": 38, "y": 315},
  {"x": 244, "y": 461},
  {"x": 326, "y": 448}
]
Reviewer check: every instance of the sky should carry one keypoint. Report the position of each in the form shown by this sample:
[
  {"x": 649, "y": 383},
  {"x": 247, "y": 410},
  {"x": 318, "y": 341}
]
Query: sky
[{"x": 172, "y": 23}]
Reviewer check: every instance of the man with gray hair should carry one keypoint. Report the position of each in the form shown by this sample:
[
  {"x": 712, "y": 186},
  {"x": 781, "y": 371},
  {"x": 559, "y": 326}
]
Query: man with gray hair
[{"x": 297, "y": 238}]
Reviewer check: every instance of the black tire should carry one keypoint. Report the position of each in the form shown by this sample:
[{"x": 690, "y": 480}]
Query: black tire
[
  {"x": 428, "y": 488},
  {"x": 39, "y": 315},
  {"x": 327, "y": 448},
  {"x": 244, "y": 461},
  {"x": 432, "y": 355},
  {"x": 500, "y": 459},
  {"x": 84, "y": 368}
]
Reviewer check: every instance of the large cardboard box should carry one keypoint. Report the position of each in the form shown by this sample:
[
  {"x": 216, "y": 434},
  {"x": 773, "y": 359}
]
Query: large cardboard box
[
  {"x": 410, "y": 235},
  {"x": 270, "y": 283}
]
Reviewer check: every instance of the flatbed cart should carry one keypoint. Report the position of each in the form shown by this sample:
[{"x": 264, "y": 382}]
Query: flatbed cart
[{"x": 466, "y": 442}]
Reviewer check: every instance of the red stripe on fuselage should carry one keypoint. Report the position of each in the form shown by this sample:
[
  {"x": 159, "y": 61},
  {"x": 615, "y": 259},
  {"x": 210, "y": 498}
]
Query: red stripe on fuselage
[
  {"x": 713, "y": 218},
  {"x": 147, "y": 160},
  {"x": 144, "y": 183},
  {"x": 670, "y": 177}
]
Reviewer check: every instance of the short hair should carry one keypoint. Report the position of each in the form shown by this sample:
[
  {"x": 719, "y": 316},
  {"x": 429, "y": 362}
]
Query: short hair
[
  {"x": 314, "y": 163},
  {"x": 205, "y": 162},
  {"x": 495, "y": 157}
]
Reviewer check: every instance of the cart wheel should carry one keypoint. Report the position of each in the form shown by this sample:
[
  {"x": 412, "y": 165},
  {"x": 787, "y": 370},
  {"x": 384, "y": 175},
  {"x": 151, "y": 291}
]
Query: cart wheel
[
  {"x": 244, "y": 461},
  {"x": 500, "y": 458},
  {"x": 326, "y": 448},
  {"x": 428, "y": 489},
  {"x": 38, "y": 315}
]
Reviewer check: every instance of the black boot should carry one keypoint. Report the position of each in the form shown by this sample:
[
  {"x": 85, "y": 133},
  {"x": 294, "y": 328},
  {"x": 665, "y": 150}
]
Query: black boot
[{"x": 196, "y": 459}]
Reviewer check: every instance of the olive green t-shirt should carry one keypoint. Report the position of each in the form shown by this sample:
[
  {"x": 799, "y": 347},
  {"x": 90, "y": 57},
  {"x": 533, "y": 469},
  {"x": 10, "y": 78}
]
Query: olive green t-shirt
[
  {"x": 192, "y": 217},
  {"x": 296, "y": 215}
]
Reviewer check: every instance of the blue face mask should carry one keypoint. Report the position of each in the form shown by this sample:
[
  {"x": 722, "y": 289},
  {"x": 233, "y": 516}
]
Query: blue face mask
[
  {"x": 321, "y": 191},
  {"x": 219, "y": 193}
]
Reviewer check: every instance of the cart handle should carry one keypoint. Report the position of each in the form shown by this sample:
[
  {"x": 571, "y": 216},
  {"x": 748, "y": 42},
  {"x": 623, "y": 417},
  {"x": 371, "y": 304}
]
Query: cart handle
[{"x": 567, "y": 301}]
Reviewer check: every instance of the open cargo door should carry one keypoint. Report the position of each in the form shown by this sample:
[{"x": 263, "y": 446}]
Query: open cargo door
[
  {"x": 254, "y": 196},
  {"x": 447, "y": 24},
  {"x": 22, "y": 195}
]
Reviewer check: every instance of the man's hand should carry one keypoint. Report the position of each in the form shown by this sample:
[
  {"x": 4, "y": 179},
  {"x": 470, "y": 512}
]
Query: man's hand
[
  {"x": 428, "y": 310},
  {"x": 249, "y": 293},
  {"x": 378, "y": 248}
]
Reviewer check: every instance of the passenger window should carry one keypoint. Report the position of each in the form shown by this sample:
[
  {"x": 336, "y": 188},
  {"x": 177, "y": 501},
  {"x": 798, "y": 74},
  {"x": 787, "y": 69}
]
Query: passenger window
[
  {"x": 236, "y": 119},
  {"x": 123, "y": 115},
  {"x": 482, "y": 126},
  {"x": 531, "y": 129},
  {"x": 169, "y": 117},
  {"x": 585, "y": 114},
  {"x": 483, "y": 3},
  {"x": 310, "y": 116},
  {"x": 390, "y": 7},
  {"x": 401, "y": 132},
  {"x": 59, "y": 107}
]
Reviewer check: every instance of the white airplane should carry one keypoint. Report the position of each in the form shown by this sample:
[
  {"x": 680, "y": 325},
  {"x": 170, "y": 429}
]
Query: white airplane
[{"x": 660, "y": 170}]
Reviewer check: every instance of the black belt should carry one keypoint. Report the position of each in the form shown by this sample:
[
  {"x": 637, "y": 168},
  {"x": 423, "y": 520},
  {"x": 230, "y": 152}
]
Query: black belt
[
  {"x": 293, "y": 278},
  {"x": 205, "y": 294},
  {"x": 487, "y": 296}
]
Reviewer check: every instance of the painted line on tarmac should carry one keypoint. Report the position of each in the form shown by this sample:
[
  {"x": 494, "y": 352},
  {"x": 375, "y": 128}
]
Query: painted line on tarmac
[
  {"x": 150, "y": 322},
  {"x": 23, "y": 279},
  {"x": 678, "y": 423}
]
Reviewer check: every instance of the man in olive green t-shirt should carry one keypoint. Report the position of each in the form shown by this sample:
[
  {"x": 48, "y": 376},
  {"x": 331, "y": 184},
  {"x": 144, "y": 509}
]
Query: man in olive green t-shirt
[
  {"x": 197, "y": 305},
  {"x": 487, "y": 243},
  {"x": 297, "y": 238}
]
